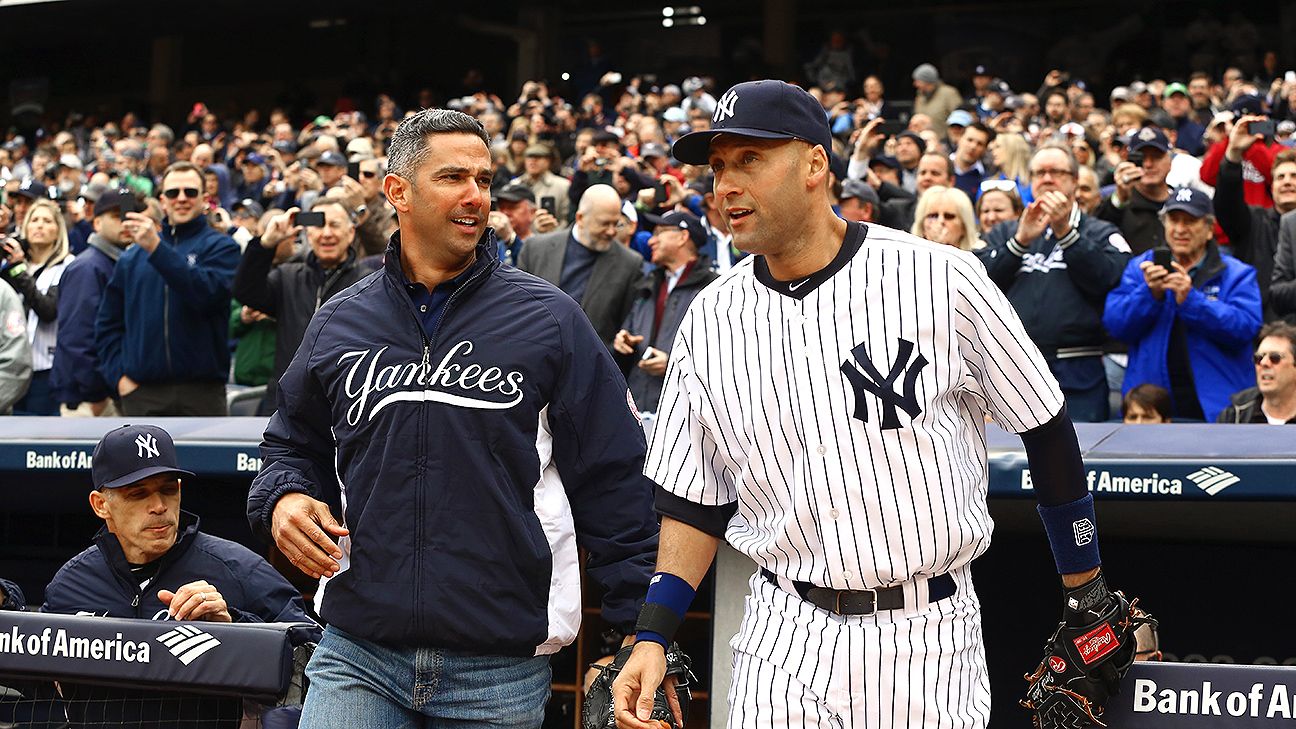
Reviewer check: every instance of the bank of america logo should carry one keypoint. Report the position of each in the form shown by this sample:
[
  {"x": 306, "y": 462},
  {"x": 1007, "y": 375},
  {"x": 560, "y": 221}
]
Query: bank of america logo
[
  {"x": 1213, "y": 479},
  {"x": 186, "y": 643}
]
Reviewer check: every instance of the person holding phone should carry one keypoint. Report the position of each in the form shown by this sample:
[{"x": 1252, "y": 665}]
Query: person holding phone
[
  {"x": 1141, "y": 190},
  {"x": 538, "y": 176},
  {"x": 1189, "y": 326},
  {"x": 162, "y": 329},
  {"x": 1255, "y": 232}
]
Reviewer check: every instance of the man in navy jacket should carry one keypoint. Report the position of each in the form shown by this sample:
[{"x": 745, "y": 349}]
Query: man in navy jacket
[
  {"x": 150, "y": 560},
  {"x": 78, "y": 386},
  {"x": 163, "y": 328},
  {"x": 460, "y": 429}
]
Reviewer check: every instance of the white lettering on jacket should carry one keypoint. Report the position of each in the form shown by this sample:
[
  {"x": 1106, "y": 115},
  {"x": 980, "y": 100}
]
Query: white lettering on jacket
[{"x": 455, "y": 381}]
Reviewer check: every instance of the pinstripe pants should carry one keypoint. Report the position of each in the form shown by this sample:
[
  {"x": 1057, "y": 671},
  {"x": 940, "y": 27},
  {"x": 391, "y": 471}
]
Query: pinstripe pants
[{"x": 796, "y": 665}]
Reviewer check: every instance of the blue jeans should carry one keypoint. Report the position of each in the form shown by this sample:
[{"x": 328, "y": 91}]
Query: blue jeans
[{"x": 358, "y": 683}]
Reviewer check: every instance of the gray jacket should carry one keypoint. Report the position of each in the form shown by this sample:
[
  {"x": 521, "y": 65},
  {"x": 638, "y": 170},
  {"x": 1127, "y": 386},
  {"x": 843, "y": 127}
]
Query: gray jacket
[
  {"x": 607, "y": 297},
  {"x": 645, "y": 388},
  {"x": 15, "y": 351},
  {"x": 1282, "y": 290}
]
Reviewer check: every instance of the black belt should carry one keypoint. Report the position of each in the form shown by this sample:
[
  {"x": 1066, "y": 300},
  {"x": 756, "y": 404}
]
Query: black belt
[{"x": 865, "y": 602}]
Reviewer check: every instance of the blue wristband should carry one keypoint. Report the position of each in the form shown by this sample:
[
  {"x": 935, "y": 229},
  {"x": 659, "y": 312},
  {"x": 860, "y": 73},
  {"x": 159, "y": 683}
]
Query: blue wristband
[
  {"x": 666, "y": 592},
  {"x": 1073, "y": 534}
]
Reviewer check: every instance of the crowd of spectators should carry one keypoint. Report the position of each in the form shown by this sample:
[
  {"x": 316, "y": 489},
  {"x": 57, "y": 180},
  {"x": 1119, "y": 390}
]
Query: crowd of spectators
[{"x": 1145, "y": 236}]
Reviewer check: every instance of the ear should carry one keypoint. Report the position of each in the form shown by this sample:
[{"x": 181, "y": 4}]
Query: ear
[
  {"x": 99, "y": 504},
  {"x": 397, "y": 191},
  {"x": 818, "y": 167}
]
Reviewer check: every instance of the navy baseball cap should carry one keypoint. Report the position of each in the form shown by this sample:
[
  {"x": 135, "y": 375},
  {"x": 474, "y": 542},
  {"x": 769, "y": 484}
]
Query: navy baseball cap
[
  {"x": 767, "y": 109},
  {"x": 683, "y": 221},
  {"x": 121, "y": 200},
  {"x": 332, "y": 158},
  {"x": 1149, "y": 137},
  {"x": 1189, "y": 200},
  {"x": 916, "y": 137},
  {"x": 1248, "y": 104},
  {"x": 860, "y": 190},
  {"x": 32, "y": 189},
  {"x": 130, "y": 453},
  {"x": 886, "y": 160}
]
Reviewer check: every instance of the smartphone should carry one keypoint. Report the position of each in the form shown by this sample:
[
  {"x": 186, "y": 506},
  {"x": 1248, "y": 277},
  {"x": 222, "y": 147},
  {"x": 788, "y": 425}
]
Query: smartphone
[
  {"x": 548, "y": 202},
  {"x": 353, "y": 171},
  {"x": 310, "y": 220},
  {"x": 891, "y": 128},
  {"x": 648, "y": 353},
  {"x": 1135, "y": 157},
  {"x": 659, "y": 194},
  {"x": 1267, "y": 127},
  {"x": 1161, "y": 257}
]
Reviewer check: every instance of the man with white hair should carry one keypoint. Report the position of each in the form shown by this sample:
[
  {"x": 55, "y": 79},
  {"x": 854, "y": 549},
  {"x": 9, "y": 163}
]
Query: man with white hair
[{"x": 585, "y": 263}]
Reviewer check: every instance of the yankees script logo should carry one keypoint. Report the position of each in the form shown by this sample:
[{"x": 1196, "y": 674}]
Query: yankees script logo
[
  {"x": 871, "y": 382},
  {"x": 455, "y": 382}
]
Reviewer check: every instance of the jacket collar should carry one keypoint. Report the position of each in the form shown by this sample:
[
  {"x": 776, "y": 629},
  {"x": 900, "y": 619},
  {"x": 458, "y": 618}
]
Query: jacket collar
[
  {"x": 101, "y": 244},
  {"x": 1210, "y": 266},
  {"x": 486, "y": 261},
  {"x": 184, "y": 230},
  {"x": 186, "y": 533}
]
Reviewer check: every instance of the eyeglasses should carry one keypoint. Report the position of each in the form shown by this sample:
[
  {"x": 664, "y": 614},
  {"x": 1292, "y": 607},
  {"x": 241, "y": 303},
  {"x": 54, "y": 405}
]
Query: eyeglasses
[
  {"x": 935, "y": 217},
  {"x": 175, "y": 192},
  {"x": 1054, "y": 173},
  {"x": 1001, "y": 185},
  {"x": 1273, "y": 357}
]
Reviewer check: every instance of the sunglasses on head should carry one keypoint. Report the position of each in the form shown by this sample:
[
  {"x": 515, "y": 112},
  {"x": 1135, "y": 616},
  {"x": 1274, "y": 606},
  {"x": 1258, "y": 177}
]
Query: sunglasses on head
[
  {"x": 1002, "y": 185},
  {"x": 1273, "y": 357},
  {"x": 175, "y": 192}
]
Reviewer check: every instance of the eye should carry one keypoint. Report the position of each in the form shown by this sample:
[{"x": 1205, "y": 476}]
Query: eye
[{"x": 749, "y": 158}]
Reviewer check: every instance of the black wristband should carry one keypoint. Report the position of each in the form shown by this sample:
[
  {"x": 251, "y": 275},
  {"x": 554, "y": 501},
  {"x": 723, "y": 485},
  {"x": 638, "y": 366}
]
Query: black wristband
[
  {"x": 658, "y": 619},
  {"x": 1085, "y": 603}
]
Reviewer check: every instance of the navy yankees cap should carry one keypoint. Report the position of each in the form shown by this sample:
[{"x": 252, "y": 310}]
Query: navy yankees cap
[
  {"x": 1149, "y": 137},
  {"x": 767, "y": 109},
  {"x": 683, "y": 221},
  {"x": 131, "y": 453},
  {"x": 1190, "y": 200}
]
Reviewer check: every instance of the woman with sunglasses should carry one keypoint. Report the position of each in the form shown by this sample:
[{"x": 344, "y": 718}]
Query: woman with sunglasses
[
  {"x": 34, "y": 270},
  {"x": 997, "y": 202},
  {"x": 944, "y": 215}
]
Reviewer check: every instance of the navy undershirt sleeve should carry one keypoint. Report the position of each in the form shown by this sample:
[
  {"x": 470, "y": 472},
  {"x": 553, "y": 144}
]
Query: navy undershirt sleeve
[{"x": 1057, "y": 471}]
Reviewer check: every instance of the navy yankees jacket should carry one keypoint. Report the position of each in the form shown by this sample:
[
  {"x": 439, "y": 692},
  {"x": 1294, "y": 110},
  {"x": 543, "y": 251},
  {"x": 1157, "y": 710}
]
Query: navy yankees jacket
[
  {"x": 468, "y": 463},
  {"x": 165, "y": 314},
  {"x": 99, "y": 580},
  {"x": 75, "y": 376}
]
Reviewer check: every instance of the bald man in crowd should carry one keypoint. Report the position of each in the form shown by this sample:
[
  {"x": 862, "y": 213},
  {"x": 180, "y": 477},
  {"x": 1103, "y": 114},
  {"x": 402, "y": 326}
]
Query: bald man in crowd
[{"x": 585, "y": 261}]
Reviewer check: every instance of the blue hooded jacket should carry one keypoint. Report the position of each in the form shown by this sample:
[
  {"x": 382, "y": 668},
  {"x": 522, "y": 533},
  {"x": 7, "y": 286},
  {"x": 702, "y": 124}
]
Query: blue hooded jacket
[
  {"x": 75, "y": 376},
  {"x": 165, "y": 315},
  {"x": 1221, "y": 317},
  {"x": 468, "y": 463}
]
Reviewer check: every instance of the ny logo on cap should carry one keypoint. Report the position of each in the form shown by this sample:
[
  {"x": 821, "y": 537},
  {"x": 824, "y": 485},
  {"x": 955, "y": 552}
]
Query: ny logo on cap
[
  {"x": 146, "y": 445},
  {"x": 1184, "y": 195},
  {"x": 725, "y": 107},
  {"x": 1147, "y": 134}
]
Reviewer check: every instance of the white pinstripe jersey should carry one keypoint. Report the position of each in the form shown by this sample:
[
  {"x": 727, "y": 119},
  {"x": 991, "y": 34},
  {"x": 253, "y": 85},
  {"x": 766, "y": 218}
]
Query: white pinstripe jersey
[{"x": 796, "y": 409}]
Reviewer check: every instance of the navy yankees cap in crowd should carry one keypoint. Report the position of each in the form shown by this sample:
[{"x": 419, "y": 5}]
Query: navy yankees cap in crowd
[
  {"x": 1189, "y": 200},
  {"x": 1149, "y": 137},
  {"x": 767, "y": 109},
  {"x": 121, "y": 200},
  {"x": 32, "y": 189},
  {"x": 683, "y": 221},
  {"x": 131, "y": 453}
]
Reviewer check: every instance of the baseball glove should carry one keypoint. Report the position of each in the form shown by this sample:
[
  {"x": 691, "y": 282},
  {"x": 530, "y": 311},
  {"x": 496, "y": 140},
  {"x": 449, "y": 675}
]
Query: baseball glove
[
  {"x": 598, "y": 711},
  {"x": 1084, "y": 660}
]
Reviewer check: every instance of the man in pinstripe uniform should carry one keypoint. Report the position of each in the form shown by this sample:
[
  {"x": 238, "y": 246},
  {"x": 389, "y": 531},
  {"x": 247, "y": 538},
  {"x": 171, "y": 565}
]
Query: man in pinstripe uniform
[{"x": 823, "y": 413}]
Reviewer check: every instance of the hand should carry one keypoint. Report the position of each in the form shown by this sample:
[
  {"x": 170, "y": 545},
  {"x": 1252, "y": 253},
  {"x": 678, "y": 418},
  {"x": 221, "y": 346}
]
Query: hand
[
  {"x": 500, "y": 222},
  {"x": 646, "y": 199},
  {"x": 675, "y": 192},
  {"x": 301, "y": 527},
  {"x": 355, "y": 193},
  {"x": 13, "y": 252},
  {"x": 248, "y": 315},
  {"x": 1155, "y": 278},
  {"x": 220, "y": 219},
  {"x": 624, "y": 342},
  {"x": 97, "y": 408},
  {"x": 196, "y": 601},
  {"x": 126, "y": 386},
  {"x": 1241, "y": 138},
  {"x": 1179, "y": 282},
  {"x": 1057, "y": 206},
  {"x": 634, "y": 688},
  {"x": 655, "y": 363},
  {"x": 543, "y": 222},
  {"x": 280, "y": 228},
  {"x": 142, "y": 230},
  {"x": 1032, "y": 224},
  {"x": 869, "y": 138},
  {"x": 5, "y": 216},
  {"x": 872, "y": 179},
  {"x": 1053, "y": 78},
  {"x": 588, "y": 161},
  {"x": 1127, "y": 175}
]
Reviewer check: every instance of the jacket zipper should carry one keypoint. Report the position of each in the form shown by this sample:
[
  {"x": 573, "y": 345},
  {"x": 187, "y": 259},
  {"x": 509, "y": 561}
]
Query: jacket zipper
[
  {"x": 428, "y": 343},
  {"x": 166, "y": 315}
]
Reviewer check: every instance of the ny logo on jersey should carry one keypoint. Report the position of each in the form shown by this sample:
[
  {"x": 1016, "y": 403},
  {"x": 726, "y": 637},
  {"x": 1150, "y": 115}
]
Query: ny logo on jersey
[
  {"x": 724, "y": 107},
  {"x": 871, "y": 382}
]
